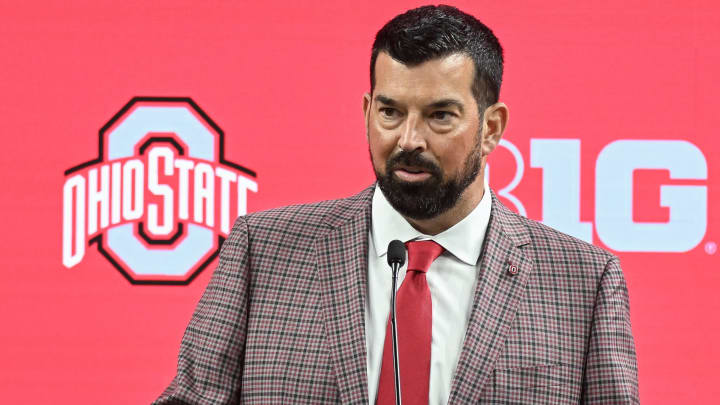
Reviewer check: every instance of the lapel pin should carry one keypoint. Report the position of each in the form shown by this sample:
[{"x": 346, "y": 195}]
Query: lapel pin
[{"x": 513, "y": 269}]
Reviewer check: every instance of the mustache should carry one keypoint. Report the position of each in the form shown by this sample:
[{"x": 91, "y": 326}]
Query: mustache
[{"x": 411, "y": 158}]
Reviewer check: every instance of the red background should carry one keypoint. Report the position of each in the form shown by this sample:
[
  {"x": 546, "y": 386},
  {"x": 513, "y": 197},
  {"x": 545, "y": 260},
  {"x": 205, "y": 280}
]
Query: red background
[{"x": 284, "y": 80}]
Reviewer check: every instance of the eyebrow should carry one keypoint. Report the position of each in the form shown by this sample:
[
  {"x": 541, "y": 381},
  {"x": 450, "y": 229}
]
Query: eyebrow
[
  {"x": 447, "y": 102},
  {"x": 444, "y": 103},
  {"x": 385, "y": 100}
]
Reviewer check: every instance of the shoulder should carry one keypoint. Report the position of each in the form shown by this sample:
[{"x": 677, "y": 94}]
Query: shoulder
[
  {"x": 551, "y": 248},
  {"x": 569, "y": 267},
  {"x": 552, "y": 241},
  {"x": 308, "y": 219}
]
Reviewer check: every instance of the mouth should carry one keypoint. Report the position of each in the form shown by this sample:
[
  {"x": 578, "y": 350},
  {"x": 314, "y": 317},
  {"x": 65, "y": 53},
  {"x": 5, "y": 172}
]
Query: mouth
[{"x": 411, "y": 173}]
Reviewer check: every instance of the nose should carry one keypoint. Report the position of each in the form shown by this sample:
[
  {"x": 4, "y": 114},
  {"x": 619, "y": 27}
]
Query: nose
[{"x": 412, "y": 136}]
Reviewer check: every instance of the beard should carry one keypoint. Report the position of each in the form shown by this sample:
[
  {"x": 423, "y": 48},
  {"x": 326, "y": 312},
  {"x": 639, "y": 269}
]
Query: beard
[{"x": 428, "y": 198}]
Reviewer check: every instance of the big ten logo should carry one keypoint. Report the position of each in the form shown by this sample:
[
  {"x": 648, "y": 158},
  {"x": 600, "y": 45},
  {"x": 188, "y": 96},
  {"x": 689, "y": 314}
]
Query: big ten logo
[
  {"x": 160, "y": 198},
  {"x": 633, "y": 210}
]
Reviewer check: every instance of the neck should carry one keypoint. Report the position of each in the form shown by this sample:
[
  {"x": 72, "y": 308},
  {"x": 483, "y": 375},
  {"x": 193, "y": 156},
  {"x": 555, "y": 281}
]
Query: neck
[{"x": 467, "y": 202}]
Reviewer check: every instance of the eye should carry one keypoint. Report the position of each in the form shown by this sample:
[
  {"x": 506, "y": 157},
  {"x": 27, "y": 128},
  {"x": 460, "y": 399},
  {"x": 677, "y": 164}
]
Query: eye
[
  {"x": 388, "y": 112},
  {"x": 443, "y": 116}
]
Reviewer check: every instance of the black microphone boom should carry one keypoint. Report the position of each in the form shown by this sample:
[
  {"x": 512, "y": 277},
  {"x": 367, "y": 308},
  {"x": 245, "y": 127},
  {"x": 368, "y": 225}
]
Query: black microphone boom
[{"x": 396, "y": 259}]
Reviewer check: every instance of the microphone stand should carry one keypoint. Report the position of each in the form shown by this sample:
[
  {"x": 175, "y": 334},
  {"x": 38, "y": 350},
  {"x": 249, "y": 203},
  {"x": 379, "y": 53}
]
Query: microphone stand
[
  {"x": 396, "y": 259},
  {"x": 396, "y": 357}
]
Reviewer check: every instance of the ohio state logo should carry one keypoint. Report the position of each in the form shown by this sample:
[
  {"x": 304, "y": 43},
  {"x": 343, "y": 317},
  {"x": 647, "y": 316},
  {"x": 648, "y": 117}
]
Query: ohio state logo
[{"x": 160, "y": 198}]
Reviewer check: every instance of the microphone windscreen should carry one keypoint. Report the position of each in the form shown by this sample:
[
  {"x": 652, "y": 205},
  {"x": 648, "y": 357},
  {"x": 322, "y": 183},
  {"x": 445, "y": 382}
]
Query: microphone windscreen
[{"x": 396, "y": 253}]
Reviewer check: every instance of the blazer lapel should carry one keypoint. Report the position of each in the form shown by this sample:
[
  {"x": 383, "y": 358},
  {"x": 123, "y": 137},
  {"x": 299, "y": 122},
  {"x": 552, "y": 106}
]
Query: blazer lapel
[
  {"x": 342, "y": 269},
  {"x": 503, "y": 274}
]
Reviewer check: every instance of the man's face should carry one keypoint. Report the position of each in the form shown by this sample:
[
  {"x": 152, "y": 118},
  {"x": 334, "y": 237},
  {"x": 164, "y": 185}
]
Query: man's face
[{"x": 424, "y": 133}]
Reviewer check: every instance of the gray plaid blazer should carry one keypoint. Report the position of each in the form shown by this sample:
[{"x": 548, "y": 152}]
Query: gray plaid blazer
[{"x": 281, "y": 321}]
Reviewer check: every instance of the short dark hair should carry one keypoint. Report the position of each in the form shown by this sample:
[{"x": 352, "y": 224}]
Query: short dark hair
[{"x": 430, "y": 32}]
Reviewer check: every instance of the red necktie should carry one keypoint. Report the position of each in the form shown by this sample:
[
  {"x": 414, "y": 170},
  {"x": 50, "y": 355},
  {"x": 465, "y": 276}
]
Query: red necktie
[{"x": 414, "y": 326}]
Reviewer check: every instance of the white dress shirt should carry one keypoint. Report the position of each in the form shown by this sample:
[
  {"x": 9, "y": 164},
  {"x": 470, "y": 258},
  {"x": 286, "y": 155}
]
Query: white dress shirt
[{"x": 451, "y": 278}]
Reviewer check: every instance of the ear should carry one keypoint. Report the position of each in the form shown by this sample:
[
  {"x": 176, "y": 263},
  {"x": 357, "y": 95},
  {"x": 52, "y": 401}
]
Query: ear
[
  {"x": 366, "y": 111},
  {"x": 494, "y": 123}
]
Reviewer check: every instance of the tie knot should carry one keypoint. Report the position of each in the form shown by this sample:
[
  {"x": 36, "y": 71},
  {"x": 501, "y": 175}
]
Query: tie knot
[{"x": 422, "y": 253}]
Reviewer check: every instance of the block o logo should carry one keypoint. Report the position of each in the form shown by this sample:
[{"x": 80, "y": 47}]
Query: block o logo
[{"x": 160, "y": 198}]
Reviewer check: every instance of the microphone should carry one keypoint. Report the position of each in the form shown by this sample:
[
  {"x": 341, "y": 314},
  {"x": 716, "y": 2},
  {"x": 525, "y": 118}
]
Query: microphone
[
  {"x": 396, "y": 259},
  {"x": 396, "y": 253}
]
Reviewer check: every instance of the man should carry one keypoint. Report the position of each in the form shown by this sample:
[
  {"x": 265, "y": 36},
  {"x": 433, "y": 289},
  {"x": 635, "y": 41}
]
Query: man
[{"x": 492, "y": 307}]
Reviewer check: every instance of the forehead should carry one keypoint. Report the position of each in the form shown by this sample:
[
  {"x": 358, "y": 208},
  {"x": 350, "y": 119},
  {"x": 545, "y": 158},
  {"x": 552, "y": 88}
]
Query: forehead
[{"x": 449, "y": 76}]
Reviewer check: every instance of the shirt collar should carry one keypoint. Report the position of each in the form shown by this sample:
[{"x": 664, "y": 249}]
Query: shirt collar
[{"x": 464, "y": 239}]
